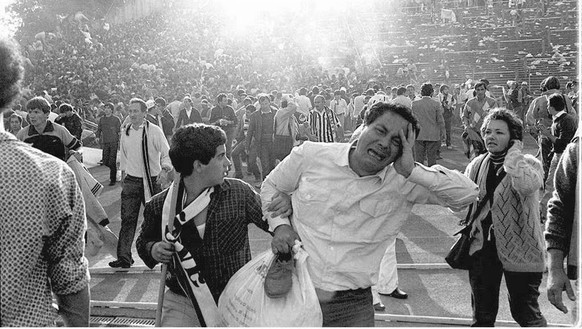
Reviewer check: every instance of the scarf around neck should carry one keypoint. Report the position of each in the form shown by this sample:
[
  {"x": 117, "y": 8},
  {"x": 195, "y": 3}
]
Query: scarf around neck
[{"x": 189, "y": 273}]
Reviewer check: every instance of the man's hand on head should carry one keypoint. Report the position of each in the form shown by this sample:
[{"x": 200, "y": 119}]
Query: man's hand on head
[{"x": 405, "y": 163}]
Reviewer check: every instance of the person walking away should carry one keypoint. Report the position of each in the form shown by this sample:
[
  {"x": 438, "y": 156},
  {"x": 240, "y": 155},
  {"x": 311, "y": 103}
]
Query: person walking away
[{"x": 108, "y": 130}]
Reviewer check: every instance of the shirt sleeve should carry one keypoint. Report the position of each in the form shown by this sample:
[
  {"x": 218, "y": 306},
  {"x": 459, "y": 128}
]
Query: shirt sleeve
[
  {"x": 122, "y": 153},
  {"x": 525, "y": 170},
  {"x": 284, "y": 178},
  {"x": 440, "y": 185},
  {"x": 561, "y": 207},
  {"x": 163, "y": 147},
  {"x": 150, "y": 231}
]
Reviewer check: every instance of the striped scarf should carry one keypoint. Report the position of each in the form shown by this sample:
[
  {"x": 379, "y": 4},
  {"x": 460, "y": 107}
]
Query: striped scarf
[
  {"x": 148, "y": 182},
  {"x": 189, "y": 273}
]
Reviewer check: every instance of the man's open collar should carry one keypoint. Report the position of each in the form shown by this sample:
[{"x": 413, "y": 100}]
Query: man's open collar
[
  {"x": 342, "y": 159},
  {"x": 48, "y": 128}
]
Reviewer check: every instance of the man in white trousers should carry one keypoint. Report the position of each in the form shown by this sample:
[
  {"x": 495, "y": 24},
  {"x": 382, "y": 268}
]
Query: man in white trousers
[{"x": 387, "y": 279}]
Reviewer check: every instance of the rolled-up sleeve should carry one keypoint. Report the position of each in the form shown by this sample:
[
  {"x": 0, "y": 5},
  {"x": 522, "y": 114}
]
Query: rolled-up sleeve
[
  {"x": 284, "y": 178},
  {"x": 446, "y": 187}
]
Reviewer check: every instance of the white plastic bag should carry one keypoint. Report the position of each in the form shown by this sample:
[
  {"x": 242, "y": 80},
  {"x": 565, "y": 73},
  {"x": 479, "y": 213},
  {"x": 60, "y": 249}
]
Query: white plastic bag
[{"x": 243, "y": 302}]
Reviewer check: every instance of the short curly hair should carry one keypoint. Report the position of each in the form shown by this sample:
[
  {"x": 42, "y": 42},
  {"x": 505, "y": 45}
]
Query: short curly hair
[
  {"x": 513, "y": 122},
  {"x": 194, "y": 142},
  {"x": 11, "y": 72}
]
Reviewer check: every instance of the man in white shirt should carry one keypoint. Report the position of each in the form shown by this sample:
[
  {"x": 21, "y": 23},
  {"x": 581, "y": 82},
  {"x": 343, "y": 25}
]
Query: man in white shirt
[
  {"x": 303, "y": 105},
  {"x": 339, "y": 106},
  {"x": 402, "y": 97},
  {"x": 350, "y": 200},
  {"x": 144, "y": 157}
]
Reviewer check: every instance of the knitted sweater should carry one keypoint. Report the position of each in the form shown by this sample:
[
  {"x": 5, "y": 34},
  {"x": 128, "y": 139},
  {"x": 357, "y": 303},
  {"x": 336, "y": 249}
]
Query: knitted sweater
[{"x": 514, "y": 209}]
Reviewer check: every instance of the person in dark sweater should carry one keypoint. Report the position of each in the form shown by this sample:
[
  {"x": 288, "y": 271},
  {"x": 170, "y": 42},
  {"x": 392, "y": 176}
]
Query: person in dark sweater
[
  {"x": 562, "y": 228},
  {"x": 562, "y": 131},
  {"x": 108, "y": 134},
  {"x": 70, "y": 119}
]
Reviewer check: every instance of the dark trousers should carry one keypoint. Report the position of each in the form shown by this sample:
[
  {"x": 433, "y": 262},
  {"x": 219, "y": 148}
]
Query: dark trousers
[
  {"x": 132, "y": 197},
  {"x": 252, "y": 167},
  {"x": 523, "y": 287},
  {"x": 267, "y": 156},
  {"x": 426, "y": 149},
  {"x": 282, "y": 146},
  {"x": 448, "y": 117},
  {"x": 347, "y": 308},
  {"x": 110, "y": 159},
  {"x": 545, "y": 148}
]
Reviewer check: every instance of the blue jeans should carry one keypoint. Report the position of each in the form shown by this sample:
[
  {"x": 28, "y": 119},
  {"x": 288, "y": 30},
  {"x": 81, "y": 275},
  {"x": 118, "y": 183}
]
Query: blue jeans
[
  {"x": 347, "y": 308},
  {"x": 132, "y": 197},
  {"x": 523, "y": 287}
]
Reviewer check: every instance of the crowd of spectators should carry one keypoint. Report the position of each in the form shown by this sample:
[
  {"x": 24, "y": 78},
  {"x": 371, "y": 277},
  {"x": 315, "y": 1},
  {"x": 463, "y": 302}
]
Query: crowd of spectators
[{"x": 175, "y": 52}]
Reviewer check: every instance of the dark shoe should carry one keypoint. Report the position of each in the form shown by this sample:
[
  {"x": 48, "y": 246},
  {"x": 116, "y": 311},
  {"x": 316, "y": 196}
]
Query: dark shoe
[
  {"x": 119, "y": 264},
  {"x": 111, "y": 183},
  {"x": 379, "y": 307},
  {"x": 278, "y": 280},
  {"x": 397, "y": 293}
]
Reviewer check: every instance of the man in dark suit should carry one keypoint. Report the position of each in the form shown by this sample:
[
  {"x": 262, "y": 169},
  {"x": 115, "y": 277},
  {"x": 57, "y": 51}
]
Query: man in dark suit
[
  {"x": 430, "y": 116},
  {"x": 161, "y": 117},
  {"x": 260, "y": 134},
  {"x": 188, "y": 114}
]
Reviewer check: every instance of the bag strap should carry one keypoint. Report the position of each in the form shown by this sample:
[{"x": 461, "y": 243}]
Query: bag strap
[{"x": 469, "y": 220}]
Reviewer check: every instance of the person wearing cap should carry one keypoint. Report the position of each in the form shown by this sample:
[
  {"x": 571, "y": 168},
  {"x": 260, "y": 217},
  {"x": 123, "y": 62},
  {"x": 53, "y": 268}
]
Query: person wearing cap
[
  {"x": 107, "y": 133},
  {"x": 160, "y": 116},
  {"x": 70, "y": 119}
]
